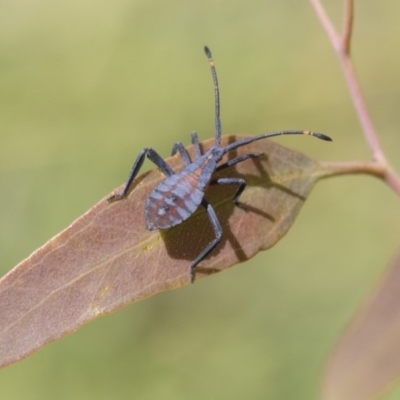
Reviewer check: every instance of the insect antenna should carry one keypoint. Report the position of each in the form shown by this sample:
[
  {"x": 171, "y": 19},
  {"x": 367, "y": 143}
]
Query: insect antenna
[
  {"x": 216, "y": 94},
  {"x": 242, "y": 142}
]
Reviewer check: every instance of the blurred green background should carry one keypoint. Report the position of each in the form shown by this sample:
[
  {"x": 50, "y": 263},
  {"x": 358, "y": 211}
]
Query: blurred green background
[{"x": 84, "y": 85}]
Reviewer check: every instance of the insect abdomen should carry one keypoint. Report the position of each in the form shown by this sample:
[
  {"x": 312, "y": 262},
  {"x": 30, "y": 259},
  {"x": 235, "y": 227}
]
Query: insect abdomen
[
  {"x": 178, "y": 196},
  {"x": 171, "y": 202}
]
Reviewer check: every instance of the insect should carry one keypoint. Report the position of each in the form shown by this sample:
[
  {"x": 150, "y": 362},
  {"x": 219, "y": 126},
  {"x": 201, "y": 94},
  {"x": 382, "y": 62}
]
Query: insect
[{"x": 180, "y": 194}]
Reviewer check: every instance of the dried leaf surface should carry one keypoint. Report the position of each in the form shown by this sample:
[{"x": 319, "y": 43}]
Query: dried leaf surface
[
  {"x": 367, "y": 358},
  {"x": 107, "y": 258}
]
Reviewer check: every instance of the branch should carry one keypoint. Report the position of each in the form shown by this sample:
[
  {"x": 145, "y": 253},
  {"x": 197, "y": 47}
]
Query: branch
[
  {"x": 373, "y": 168},
  {"x": 341, "y": 44},
  {"x": 347, "y": 26}
]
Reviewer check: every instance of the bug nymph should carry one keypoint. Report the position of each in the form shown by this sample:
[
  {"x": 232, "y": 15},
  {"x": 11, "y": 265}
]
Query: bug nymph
[{"x": 180, "y": 194}]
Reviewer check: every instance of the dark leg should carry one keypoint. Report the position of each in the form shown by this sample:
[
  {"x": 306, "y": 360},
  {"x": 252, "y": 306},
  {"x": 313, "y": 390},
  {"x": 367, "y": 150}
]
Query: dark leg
[
  {"x": 195, "y": 143},
  {"x": 232, "y": 181},
  {"x": 178, "y": 146},
  {"x": 237, "y": 160},
  {"x": 211, "y": 246},
  {"x": 152, "y": 156}
]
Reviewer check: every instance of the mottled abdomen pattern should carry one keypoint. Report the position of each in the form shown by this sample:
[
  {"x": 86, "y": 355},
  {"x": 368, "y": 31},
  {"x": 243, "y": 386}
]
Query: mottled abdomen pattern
[
  {"x": 178, "y": 196},
  {"x": 172, "y": 201}
]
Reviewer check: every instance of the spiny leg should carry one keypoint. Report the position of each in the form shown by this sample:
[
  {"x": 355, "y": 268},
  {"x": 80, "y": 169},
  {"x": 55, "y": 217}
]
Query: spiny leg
[
  {"x": 178, "y": 146},
  {"x": 153, "y": 156},
  {"x": 195, "y": 143},
  {"x": 237, "y": 160},
  {"x": 233, "y": 181},
  {"x": 216, "y": 226}
]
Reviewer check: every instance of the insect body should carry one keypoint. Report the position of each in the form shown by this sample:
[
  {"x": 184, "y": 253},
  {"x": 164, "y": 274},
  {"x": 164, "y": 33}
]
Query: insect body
[{"x": 180, "y": 194}]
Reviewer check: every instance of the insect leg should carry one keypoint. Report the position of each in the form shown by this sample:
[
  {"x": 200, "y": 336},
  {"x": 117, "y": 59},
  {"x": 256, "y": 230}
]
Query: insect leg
[
  {"x": 152, "y": 156},
  {"x": 178, "y": 146},
  {"x": 232, "y": 181},
  {"x": 211, "y": 246},
  {"x": 237, "y": 160},
  {"x": 195, "y": 143}
]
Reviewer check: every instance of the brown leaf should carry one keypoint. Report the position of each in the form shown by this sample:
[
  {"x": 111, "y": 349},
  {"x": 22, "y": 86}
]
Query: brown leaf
[
  {"x": 107, "y": 258},
  {"x": 367, "y": 358}
]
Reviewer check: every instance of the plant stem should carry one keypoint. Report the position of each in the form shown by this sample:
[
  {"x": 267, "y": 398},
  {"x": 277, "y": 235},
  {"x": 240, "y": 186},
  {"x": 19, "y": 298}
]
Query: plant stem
[
  {"x": 341, "y": 44},
  {"x": 374, "y": 168},
  {"x": 347, "y": 26}
]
